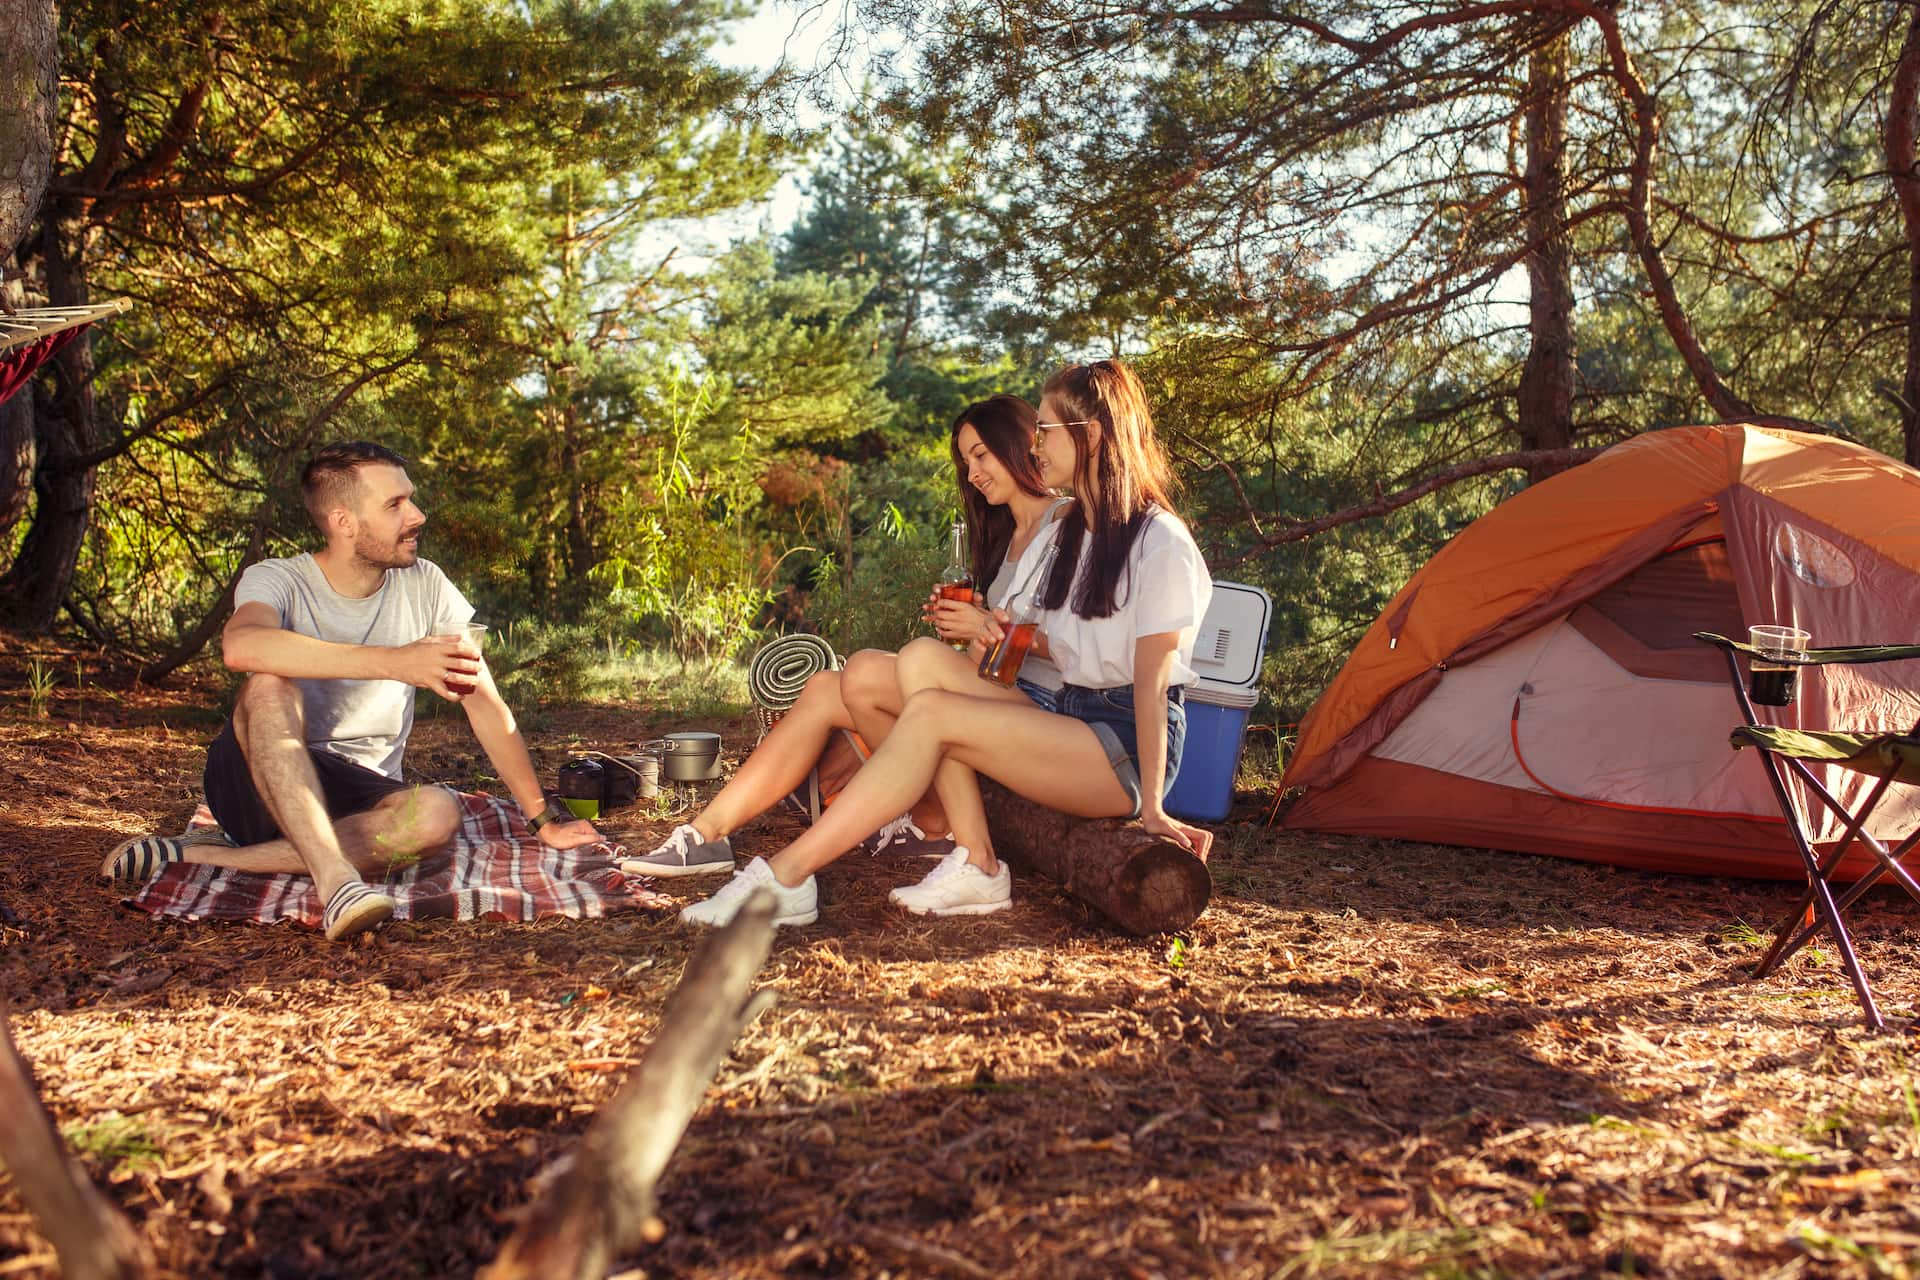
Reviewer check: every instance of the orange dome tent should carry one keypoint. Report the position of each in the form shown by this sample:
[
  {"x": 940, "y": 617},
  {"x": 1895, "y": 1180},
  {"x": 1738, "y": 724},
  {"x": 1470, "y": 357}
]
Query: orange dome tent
[{"x": 1536, "y": 687}]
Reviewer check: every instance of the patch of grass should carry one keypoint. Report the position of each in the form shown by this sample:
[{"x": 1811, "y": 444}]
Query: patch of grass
[
  {"x": 1625, "y": 1126},
  {"x": 697, "y": 689},
  {"x": 40, "y": 682},
  {"x": 114, "y": 1140},
  {"x": 668, "y": 802},
  {"x": 536, "y": 665},
  {"x": 1769, "y": 1149},
  {"x": 1829, "y": 1246},
  {"x": 1474, "y": 990},
  {"x": 1838, "y": 1120},
  {"x": 1742, "y": 934}
]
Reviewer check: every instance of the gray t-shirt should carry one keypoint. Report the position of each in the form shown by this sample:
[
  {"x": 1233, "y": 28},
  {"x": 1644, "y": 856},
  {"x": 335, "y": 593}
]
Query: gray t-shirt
[{"x": 365, "y": 721}]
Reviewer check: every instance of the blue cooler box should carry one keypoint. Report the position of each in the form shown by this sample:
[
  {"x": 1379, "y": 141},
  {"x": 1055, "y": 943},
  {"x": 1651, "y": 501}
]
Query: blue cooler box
[{"x": 1226, "y": 654}]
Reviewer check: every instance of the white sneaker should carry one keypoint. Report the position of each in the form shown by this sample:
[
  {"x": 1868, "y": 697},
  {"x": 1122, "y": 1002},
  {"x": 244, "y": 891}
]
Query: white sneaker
[
  {"x": 790, "y": 906},
  {"x": 957, "y": 888}
]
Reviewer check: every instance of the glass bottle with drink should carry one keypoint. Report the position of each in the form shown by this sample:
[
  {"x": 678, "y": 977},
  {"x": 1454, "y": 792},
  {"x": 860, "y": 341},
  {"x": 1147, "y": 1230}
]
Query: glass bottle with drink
[
  {"x": 1002, "y": 661},
  {"x": 956, "y": 581},
  {"x": 1003, "y": 658}
]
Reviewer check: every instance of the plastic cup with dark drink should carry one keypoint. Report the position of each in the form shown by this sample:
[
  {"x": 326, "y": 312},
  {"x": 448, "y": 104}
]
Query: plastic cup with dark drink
[
  {"x": 1770, "y": 681},
  {"x": 475, "y": 634}
]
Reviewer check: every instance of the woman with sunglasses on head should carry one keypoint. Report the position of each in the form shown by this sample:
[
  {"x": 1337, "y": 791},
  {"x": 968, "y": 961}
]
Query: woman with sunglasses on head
[
  {"x": 1006, "y": 504},
  {"x": 1121, "y": 596}
]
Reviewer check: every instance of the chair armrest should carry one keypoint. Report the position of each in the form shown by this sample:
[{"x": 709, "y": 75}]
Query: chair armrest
[{"x": 1851, "y": 655}]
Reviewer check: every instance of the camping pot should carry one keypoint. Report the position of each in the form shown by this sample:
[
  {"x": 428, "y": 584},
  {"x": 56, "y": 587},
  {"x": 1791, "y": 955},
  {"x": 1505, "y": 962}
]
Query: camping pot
[
  {"x": 642, "y": 774},
  {"x": 690, "y": 757},
  {"x": 646, "y": 771}
]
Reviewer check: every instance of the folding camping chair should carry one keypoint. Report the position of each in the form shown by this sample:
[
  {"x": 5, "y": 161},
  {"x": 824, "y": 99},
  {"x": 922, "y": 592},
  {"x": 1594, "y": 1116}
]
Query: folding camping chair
[{"x": 1889, "y": 757}]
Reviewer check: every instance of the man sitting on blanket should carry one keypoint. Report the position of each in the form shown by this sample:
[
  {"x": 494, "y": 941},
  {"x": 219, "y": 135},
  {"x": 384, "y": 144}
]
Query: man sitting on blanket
[{"x": 305, "y": 778}]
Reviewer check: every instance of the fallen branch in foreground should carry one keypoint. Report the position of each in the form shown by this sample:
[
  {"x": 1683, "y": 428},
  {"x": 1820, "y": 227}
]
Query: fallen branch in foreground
[
  {"x": 94, "y": 1240},
  {"x": 599, "y": 1202}
]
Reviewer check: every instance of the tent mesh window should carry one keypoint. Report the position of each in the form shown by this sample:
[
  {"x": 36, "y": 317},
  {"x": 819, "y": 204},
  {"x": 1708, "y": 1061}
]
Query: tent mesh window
[{"x": 1645, "y": 622}]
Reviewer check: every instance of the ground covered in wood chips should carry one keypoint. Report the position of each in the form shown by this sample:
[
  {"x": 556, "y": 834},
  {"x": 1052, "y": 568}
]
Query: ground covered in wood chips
[{"x": 1367, "y": 1058}]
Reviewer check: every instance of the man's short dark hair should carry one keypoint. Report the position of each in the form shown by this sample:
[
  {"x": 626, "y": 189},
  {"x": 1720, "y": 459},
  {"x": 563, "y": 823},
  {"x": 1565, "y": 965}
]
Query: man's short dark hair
[{"x": 327, "y": 481}]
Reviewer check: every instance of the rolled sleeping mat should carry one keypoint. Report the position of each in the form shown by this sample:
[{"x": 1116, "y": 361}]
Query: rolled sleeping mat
[{"x": 782, "y": 668}]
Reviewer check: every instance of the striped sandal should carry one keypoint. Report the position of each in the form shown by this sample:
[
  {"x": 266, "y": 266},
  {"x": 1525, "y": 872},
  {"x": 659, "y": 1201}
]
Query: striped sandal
[
  {"x": 142, "y": 858},
  {"x": 355, "y": 908}
]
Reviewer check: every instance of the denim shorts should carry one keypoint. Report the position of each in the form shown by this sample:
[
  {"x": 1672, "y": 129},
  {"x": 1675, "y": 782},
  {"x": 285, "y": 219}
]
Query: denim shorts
[
  {"x": 1109, "y": 713},
  {"x": 1042, "y": 697}
]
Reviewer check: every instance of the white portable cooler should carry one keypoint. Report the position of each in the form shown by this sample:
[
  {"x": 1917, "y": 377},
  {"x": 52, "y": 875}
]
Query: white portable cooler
[{"x": 1226, "y": 654}]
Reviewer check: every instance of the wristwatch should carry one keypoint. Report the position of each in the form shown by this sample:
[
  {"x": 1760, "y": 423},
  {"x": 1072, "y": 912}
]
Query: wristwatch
[{"x": 552, "y": 813}]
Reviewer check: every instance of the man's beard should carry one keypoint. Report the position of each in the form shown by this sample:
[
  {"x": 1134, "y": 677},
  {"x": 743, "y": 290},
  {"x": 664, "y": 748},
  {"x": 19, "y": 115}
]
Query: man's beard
[{"x": 399, "y": 554}]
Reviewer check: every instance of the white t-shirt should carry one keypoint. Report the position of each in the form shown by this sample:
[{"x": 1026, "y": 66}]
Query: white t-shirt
[
  {"x": 1024, "y": 574},
  {"x": 1165, "y": 587},
  {"x": 365, "y": 721}
]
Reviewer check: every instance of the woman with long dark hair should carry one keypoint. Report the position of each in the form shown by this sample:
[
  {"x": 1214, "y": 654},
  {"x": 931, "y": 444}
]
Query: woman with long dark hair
[
  {"x": 1007, "y": 507},
  {"x": 1006, "y": 503},
  {"x": 1118, "y": 608}
]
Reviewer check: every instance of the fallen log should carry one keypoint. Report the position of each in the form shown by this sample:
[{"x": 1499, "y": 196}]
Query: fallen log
[
  {"x": 599, "y": 1202},
  {"x": 93, "y": 1239},
  {"x": 1141, "y": 882}
]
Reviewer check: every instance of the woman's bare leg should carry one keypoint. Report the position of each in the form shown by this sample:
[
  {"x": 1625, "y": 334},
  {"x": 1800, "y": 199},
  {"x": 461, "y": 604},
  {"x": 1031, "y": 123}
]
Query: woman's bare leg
[
  {"x": 870, "y": 686},
  {"x": 928, "y": 664},
  {"x": 782, "y": 760},
  {"x": 1053, "y": 759},
  {"x": 871, "y": 691}
]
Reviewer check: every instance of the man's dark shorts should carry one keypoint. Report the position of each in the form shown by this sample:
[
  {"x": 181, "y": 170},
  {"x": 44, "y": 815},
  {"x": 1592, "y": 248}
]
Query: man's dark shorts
[{"x": 346, "y": 787}]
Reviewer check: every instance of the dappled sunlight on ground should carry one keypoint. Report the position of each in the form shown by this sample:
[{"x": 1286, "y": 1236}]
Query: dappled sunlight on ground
[{"x": 1367, "y": 1058}]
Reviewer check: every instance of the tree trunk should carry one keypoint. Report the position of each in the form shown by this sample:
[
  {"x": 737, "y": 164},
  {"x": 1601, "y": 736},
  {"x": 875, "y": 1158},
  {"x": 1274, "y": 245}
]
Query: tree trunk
[
  {"x": 600, "y": 1202},
  {"x": 17, "y": 455},
  {"x": 582, "y": 553},
  {"x": 1142, "y": 883},
  {"x": 1546, "y": 380},
  {"x": 29, "y": 100},
  {"x": 92, "y": 1238},
  {"x": 34, "y": 588},
  {"x": 1903, "y": 122},
  {"x": 29, "y": 103}
]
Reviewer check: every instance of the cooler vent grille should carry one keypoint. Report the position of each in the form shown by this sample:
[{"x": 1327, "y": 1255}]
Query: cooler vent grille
[{"x": 1222, "y": 643}]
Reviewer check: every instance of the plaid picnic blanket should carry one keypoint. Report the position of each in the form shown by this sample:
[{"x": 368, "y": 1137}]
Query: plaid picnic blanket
[{"x": 496, "y": 870}]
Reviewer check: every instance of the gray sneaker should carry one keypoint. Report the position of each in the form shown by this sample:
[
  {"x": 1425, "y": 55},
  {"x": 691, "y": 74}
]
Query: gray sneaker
[{"x": 684, "y": 853}]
